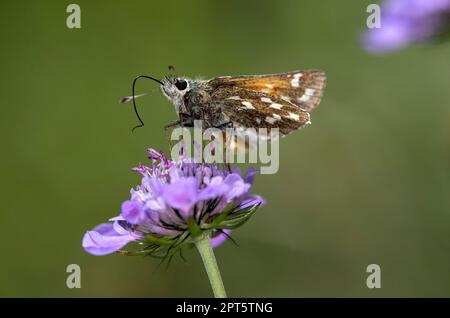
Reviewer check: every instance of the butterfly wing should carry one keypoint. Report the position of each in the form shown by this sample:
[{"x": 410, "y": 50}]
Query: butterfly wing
[
  {"x": 248, "y": 108},
  {"x": 301, "y": 88}
]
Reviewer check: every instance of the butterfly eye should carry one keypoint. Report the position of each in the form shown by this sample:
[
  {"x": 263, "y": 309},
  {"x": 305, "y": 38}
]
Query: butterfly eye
[{"x": 181, "y": 85}]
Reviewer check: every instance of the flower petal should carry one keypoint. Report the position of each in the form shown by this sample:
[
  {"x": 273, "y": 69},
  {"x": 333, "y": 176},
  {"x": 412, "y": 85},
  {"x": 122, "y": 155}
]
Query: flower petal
[
  {"x": 117, "y": 225},
  {"x": 252, "y": 200},
  {"x": 250, "y": 175},
  {"x": 237, "y": 186},
  {"x": 181, "y": 194},
  {"x": 133, "y": 211},
  {"x": 104, "y": 240},
  {"x": 152, "y": 185},
  {"x": 215, "y": 188},
  {"x": 220, "y": 238}
]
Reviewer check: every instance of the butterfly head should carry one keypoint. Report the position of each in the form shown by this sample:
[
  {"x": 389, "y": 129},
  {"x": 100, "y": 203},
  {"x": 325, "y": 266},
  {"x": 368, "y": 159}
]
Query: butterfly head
[{"x": 174, "y": 88}]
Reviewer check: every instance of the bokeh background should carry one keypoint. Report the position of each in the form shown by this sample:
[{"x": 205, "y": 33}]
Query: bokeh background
[{"x": 368, "y": 182}]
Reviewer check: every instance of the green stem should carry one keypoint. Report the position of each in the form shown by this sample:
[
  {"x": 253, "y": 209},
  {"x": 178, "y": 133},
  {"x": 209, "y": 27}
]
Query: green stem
[{"x": 203, "y": 245}]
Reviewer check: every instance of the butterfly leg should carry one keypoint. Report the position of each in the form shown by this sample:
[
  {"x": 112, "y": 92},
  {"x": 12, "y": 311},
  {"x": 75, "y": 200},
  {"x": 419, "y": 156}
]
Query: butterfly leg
[
  {"x": 228, "y": 124},
  {"x": 183, "y": 121},
  {"x": 166, "y": 131}
]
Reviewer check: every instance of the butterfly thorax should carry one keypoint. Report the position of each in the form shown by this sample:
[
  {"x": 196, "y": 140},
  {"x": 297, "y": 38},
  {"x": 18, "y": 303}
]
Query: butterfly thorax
[{"x": 194, "y": 102}]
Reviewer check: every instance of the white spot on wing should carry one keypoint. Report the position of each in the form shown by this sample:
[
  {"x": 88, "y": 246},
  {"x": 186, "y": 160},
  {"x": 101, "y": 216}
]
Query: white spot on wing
[
  {"x": 258, "y": 120},
  {"x": 266, "y": 100},
  {"x": 234, "y": 97},
  {"x": 309, "y": 92},
  {"x": 304, "y": 98},
  {"x": 295, "y": 82},
  {"x": 276, "y": 105},
  {"x": 293, "y": 116},
  {"x": 276, "y": 116},
  {"x": 248, "y": 105},
  {"x": 270, "y": 120}
]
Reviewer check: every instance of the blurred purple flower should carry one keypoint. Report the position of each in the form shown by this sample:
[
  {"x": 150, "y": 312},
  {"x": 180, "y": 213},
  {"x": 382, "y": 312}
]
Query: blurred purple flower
[
  {"x": 405, "y": 22},
  {"x": 173, "y": 204}
]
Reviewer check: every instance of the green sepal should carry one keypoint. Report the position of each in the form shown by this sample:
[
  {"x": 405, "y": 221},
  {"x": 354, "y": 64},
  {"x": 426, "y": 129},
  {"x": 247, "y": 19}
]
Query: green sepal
[
  {"x": 194, "y": 228},
  {"x": 150, "y": 239}
]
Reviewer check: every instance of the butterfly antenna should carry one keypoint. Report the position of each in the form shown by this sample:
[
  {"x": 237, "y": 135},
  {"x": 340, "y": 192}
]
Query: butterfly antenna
[{"x": 133, "y": 97}]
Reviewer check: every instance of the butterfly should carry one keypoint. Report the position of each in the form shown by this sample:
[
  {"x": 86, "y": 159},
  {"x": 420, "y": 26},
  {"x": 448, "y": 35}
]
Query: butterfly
[{"x": 282, "y": 100}]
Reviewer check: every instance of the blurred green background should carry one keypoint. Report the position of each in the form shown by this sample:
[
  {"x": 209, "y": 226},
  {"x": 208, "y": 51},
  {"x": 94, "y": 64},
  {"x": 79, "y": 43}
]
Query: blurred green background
[{"x": 368, "y": 182}]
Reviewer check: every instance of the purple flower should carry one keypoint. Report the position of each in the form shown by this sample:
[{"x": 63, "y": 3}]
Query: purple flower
[
  {"x": 405, "y": 22},
  {"x": 175, "y": 202}
]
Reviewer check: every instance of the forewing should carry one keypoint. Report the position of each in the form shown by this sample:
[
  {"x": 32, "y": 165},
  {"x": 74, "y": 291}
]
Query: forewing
[
  {"x": 248, "y": 108},
  {"x": 302, "y": 88}
]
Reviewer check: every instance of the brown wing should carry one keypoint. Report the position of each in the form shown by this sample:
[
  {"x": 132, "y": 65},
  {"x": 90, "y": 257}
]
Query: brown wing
[
  {"x": 301, "y": 88},
  {"x": 252, "y": 109}
]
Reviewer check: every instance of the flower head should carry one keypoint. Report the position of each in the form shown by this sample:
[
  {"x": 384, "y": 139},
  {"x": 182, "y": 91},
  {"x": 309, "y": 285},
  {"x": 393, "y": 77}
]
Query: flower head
[
  {"x": 175, "y": 203},
  {"x": 405, "y": 22}
]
